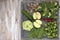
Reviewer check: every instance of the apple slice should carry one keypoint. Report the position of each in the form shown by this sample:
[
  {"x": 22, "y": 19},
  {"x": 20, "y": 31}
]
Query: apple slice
[
  {"x": 37, "y": 23},
  {"x": 36, "y": 15}
]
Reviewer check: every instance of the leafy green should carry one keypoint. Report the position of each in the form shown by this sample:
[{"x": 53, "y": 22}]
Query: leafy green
[
  {"x": 37, "y": 33},
  {"x": 49, "y": 9}
]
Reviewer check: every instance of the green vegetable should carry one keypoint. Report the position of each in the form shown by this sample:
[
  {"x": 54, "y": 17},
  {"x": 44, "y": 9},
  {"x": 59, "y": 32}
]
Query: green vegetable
[
  {"x": 37, "y": 33},
  {"x": 51, "y": 29},
  {"x": 45, "y": 9},
  {"x": 49, "y": 11},
  {"x": 39, "y": 8},
  {"x": 49, "y": 15},
  {"x": 41, "y": 33},
  {"x": 27, "y": 14},
  {"x": 27, "y": 25}
]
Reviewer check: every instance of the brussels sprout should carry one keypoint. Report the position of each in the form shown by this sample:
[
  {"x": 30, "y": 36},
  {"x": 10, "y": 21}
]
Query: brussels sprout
[
  {"x": 54, "y": 34},
  {"x": 51, "y": 30}
]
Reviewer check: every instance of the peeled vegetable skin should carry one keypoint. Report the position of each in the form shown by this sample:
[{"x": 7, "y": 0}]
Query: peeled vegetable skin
[{"x": 27, "y": 25}]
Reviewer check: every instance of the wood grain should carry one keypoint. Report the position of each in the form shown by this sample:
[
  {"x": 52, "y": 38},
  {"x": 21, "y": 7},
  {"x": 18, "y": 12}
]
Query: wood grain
[{"x": 9, "y": 20}]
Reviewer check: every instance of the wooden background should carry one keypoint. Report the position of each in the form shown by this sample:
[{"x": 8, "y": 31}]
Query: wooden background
[{"x": 10, "y": 20}]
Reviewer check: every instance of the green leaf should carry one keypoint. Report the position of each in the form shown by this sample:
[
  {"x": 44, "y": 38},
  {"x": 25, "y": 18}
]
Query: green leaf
[{"x": 37, "y": 33}]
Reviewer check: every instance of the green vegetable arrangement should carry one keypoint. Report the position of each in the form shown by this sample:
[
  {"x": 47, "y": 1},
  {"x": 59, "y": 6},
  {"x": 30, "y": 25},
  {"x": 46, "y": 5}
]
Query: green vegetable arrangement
[
  {"x": 51, "y": 29},
  {"x": 37, "y": 33},
  {"x": 36, "y": 23},
  {"x": 48, "y": 9}
]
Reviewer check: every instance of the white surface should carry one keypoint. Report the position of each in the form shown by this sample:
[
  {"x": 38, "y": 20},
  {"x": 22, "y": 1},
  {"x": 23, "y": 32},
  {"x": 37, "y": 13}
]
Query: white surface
[{"x": 10, "y": 20}]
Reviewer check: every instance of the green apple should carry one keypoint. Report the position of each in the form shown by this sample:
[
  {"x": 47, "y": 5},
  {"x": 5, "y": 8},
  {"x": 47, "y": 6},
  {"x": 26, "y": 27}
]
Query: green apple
[
  {"x": 37, "y": 23},
  {"x": 36, "y": 15},
  {"x": 27, "y": 25}
]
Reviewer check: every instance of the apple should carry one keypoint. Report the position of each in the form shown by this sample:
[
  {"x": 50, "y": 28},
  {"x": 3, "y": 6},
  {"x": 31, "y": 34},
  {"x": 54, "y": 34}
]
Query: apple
[
  {"x": 37, "y": 23},
  {"x": 36, "y": 15}
]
